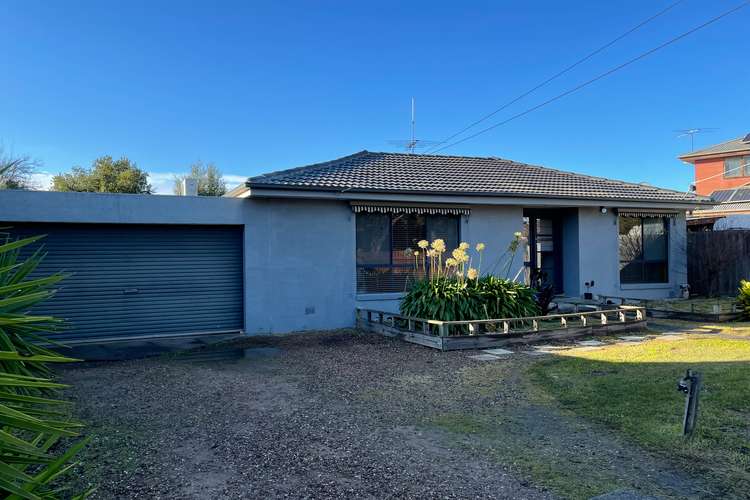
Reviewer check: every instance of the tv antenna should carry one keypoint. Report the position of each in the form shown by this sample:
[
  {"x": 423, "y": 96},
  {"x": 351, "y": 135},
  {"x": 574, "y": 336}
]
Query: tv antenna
[
  {"x": 692, "y": 131},
  {"x": 411, "y": 145}
]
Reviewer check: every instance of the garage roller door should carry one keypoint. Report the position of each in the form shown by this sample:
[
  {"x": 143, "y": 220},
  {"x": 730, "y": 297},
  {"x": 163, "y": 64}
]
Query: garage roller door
[{"x": 142, "y": 280}]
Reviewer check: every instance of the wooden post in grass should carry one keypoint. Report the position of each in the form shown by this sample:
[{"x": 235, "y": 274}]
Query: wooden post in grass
[{"x": 690, "y": 384}]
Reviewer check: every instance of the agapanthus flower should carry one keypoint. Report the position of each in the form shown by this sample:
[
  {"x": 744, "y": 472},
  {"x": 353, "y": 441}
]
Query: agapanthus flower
[
  {"x": 450, "y": 262},
  {"x": 438, "y": 245},
  {"x": 518, "y": 234},
  {"x": 423, "y": 244},
  {"x": 463, "y": 246},
  {"x": 472, "y": 273},
  {"x": 480, "y": 247}
]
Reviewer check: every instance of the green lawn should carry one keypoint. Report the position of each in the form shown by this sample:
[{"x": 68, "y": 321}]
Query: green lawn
[{"x": 632, "y": 389}]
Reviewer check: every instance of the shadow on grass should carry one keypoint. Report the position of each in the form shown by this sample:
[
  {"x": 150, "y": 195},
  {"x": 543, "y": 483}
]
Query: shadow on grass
[{"x": 633, "y": 389}]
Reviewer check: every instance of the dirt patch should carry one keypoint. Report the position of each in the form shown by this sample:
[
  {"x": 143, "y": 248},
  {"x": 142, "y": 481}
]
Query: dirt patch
[{"x": 343, "y": 416}]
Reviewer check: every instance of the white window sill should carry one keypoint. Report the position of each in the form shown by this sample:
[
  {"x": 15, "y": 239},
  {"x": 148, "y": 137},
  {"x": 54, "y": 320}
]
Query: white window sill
[
  {"x": 646, "y": 286},
  {"x": 364, "y": 297}
]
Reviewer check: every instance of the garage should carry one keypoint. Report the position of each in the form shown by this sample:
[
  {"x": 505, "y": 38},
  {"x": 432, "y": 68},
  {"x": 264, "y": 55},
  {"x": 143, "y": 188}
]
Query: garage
[{"x": 133, "y": 281}]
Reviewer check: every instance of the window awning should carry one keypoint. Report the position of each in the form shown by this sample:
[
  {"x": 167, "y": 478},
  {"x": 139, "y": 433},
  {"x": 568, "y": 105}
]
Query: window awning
[
  {"x": 405, "y": 208},
  {"x": 629, "y": 212}
]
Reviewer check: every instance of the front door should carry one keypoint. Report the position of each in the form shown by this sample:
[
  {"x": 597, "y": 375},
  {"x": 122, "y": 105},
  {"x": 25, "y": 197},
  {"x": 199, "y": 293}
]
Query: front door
[{"x": 544, "y": 254}]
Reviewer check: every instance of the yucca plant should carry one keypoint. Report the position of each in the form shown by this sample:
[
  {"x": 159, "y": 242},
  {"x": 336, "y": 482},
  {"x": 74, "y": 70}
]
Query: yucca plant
[{"x": 32, "y": 421}]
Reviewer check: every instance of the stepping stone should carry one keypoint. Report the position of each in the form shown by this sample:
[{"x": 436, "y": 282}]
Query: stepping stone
[
  {"x": 498, "y": 352},
  {"x": 632, "y": 338},
  {"x": 591, "y": 343},
  {"x": 551, "y": 347},
  {"x": 485, "y": 357}
]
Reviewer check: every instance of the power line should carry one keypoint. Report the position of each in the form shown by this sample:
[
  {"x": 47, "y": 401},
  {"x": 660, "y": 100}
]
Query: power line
[
  {"x": 599, "y": 77},
  {"x": 560, "y": 73}
]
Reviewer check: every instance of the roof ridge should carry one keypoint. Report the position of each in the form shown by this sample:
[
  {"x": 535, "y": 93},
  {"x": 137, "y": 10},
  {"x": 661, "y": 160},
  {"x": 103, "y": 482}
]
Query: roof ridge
[
  {"x": 311, "y": 166},
  {"x": 401, "y": 172},
  {"x": 542, "y": 167},
  {"x": 697, "y": 153},
  {"x": 596, "y": 177}
]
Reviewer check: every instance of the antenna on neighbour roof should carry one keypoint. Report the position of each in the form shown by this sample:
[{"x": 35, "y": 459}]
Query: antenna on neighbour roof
[
  {"x": 692, "y": 131},
  {"x": 411, "y": 145}
]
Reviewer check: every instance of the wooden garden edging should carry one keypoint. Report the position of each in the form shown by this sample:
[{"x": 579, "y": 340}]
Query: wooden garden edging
[
  {"x": 486, "y": 333},
  {"x": 718, "y": 314}
]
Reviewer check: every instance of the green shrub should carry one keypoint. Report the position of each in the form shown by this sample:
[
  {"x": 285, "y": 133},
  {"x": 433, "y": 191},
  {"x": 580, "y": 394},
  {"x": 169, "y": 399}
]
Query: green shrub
[
  {"x": 454, "y": 299},
  {"x": 32, "y": 420},
  {"x": 744, "y": 298}
]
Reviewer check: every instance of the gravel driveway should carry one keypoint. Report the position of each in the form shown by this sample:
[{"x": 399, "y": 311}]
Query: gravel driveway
[{"x": 336, "y": 415}]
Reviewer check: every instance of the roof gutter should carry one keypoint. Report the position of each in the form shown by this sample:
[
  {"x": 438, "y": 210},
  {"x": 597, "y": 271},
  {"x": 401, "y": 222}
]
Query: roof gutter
[{"x": 471, "y": 198}]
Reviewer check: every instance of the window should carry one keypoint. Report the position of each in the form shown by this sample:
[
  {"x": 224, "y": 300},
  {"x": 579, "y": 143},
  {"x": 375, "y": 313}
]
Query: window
[
  {"x": 644, "y": 249},
  {"x": 737, "y": 166},
  {"x": 382, "y": 265}
]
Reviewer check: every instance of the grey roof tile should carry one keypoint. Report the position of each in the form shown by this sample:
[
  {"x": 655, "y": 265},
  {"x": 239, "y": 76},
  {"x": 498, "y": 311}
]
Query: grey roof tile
[
  {"x": 734, "y": 146},
  {"x": 458, "y": 175}
]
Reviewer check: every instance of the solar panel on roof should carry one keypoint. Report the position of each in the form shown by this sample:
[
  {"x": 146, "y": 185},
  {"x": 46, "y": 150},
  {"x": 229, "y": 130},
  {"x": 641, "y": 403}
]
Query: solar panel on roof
[
  {"x": 722, "y": 195},
  {"x": 743, "y": 194}
]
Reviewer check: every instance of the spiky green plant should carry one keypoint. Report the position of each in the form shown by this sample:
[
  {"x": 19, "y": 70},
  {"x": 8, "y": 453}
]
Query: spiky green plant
[
  {"x": 743, "y": 298},
  {"x": 453, "y": 299},
  {"x": 32, "y": 420}
]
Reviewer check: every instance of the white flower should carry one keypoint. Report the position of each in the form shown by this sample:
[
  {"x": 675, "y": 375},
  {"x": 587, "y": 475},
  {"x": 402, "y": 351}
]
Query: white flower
[{"x": 472, "y": 273}]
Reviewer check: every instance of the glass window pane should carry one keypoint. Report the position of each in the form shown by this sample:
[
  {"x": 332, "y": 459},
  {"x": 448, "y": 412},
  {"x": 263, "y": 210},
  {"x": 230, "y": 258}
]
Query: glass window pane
[
  {"x": 445, "y": 227},
  {"x": 655, "y": 272},
  {"x": 746, "y": 166},
  {"x": 654, "y": 239},
  {"x": 373, "y": 238},
  {"x": 630, "y": 239},
  {"x": 732, "y": 167},
  {"x": 631, "y": 272},
  {"x": 407, "y": 230}
]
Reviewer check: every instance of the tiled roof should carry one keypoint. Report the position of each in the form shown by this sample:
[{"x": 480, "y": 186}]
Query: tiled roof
[
  {"x": 735, "y": 145},
  {"x": 458, "y": 175}
]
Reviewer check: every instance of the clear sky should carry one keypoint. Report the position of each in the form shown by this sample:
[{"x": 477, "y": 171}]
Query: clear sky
[{"x": 261, "y": 86}]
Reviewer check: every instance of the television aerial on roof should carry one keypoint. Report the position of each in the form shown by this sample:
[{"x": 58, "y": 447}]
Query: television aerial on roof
[
  {"x": 692, "y": 131},
  {"x": 413, "y": 144}
]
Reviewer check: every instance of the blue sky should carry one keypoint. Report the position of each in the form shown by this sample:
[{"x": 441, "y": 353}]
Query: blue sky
[{"x": 260, "y": 86}]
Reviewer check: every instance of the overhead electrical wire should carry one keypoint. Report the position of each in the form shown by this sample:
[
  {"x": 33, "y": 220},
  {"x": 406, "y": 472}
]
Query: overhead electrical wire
[
  {"x": 560, "y": 73},
  {"x": 598, "y": 77}
]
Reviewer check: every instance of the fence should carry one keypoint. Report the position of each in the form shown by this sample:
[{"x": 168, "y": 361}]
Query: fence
[
  {"x": 479, "y": 334},
  {"x": 717, "y": 261}
]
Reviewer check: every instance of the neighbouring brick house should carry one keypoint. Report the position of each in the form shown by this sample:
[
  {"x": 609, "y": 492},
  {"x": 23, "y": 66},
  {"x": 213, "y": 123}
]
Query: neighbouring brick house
[{"x": 722, "y": 171}]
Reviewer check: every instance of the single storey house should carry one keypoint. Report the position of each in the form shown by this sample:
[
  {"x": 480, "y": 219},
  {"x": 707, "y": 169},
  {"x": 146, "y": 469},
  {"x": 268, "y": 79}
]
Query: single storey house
[{"x": 299, "y": 249}]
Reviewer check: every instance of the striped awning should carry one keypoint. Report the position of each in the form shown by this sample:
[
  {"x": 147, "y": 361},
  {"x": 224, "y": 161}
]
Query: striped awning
[
  {"x": 629, "y": 212},
  {"x": 389, "y": 208}
]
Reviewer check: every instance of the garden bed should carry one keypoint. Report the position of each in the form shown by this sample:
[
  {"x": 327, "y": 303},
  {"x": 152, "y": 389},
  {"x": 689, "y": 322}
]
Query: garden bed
[
  {"x": 719, "y": 309},
  {"x": 482, "y": 334}
]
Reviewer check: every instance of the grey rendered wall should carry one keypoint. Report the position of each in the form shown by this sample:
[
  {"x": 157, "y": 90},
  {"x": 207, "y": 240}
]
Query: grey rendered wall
[
  {"x": 599, "y": 257},
  {"x": 570, "y": 249},
  {"x": 299, "y": 255},
  {"x": 300, "y": 266}
]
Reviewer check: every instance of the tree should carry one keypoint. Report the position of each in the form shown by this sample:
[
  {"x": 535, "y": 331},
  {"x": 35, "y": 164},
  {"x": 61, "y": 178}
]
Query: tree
[
  {"x": 105, "y": 176},
  {"x": 16, "y": 171},
  {"x": 210, "y": 182}
]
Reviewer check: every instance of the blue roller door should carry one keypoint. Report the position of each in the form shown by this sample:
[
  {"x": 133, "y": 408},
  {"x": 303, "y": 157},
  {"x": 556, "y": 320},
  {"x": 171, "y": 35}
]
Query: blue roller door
[{"x": 142, "y": 280}]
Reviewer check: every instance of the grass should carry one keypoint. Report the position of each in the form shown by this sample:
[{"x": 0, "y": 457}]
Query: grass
[
  {"x": 632, "y": 389},
  {"x": 734, "y": 328}
]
